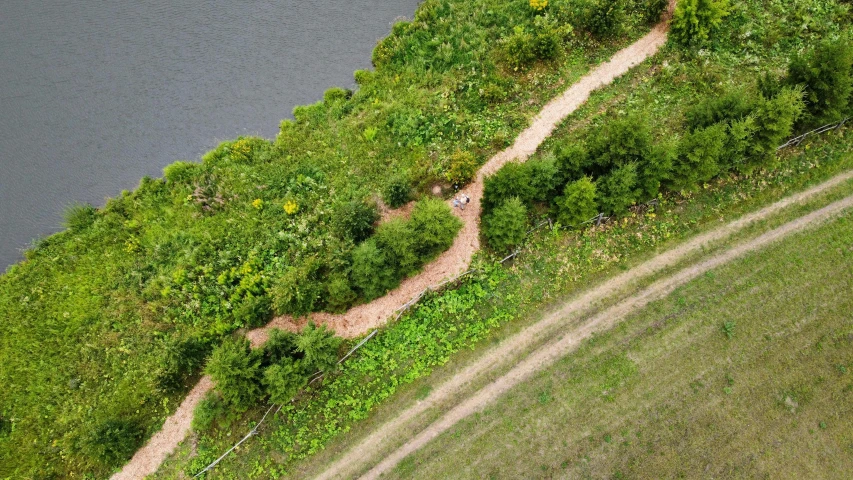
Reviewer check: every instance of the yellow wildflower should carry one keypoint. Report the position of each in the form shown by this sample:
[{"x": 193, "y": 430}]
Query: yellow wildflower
[
  {"x": 538, "y": 4},
  {"x": 291, "y": 207},
  {"x": 258, "y": 203}
]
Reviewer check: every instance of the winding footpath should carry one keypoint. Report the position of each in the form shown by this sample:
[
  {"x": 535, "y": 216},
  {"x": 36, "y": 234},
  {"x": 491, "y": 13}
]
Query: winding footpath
[{"x": 363, "y": 318}]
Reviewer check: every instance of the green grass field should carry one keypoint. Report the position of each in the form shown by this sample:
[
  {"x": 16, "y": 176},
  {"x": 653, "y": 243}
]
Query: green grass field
[{"x": 746, "y": 372}]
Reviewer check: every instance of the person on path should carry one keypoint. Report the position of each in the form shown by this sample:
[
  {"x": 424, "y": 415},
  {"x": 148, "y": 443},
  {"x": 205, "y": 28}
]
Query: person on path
[
  {"x": 457, "y": 204},
  {"x": 465, "y": 199}
]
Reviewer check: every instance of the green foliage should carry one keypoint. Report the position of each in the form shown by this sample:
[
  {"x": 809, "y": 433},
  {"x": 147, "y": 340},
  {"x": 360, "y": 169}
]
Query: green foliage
[
  {"x": 372, "y": 273},
  {"x": 179, "y": 362},
  {"x": 319, "y": 348},
  {"x": 604, "y": 18},
  {"x": 825, "y": 74},
  {"x": 512, "y": 180},
  {"x": 284, "y": 380},
  {"x": 506, "y": 225},
  {"x": 336, "y": 94},
  {"x": 113, "y": 440},
  {"x": 340, "y": 294},
  {"x": 653, "y": 10},
  {"x": 774, "y": 121},
  {"x": 434, "y": 227},
  {"x": 237, "y": 372},
  {"x": 695, "y": 20},
  {"x": 463, "y": 167},
  {"x": 618, "y": 189},
  {"x": 355, "y": 220},
  {"x": 79, "y": 216},
  {"x": 699, "y": 156},
  {"x": 620, "y": 142},
  {"x": 181, "y": 172},
  {"x": 299, "y": 290},
  {"x": 544, "y": 178},
  {"x": 525, "y": 46},
  {"x": 729, "y": 328},
  {"x": 210, "y": 409},
  {"x": 279, "y": 346},
  {"x": 577, "y": 204},
  {"x": 399, "y": 242},
  {"x": 398, "y": 191}
]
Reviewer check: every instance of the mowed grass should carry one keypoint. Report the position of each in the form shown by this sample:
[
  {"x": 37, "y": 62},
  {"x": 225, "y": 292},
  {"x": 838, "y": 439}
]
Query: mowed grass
[{"x": 746, "y": 372}]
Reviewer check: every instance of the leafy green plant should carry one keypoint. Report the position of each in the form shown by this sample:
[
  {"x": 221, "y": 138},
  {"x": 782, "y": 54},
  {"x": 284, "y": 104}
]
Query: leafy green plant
[
  {"x": 284, "y": 380},
  {"x": 694, "y": 20},
  {"x": 355, "y": 220},
  {"x": 577, "y": 204},
  {"x": 604, "y": 18},
  {"x": 113, "y": 440},
  {"x": 79, "y": 216},
  {"x": 236, "y": 369},
  {"x": 319, "y": 347},
  {"x": 729, "y": 329},
  {"x": 463, "y": 167},
  {"x": 825, "y": 74},
  {"x": 398, "y": 191},
  {"x": 506, "y": 225}
]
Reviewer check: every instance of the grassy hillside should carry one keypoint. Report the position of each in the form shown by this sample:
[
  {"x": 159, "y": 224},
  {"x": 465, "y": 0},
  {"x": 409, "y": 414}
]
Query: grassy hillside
[
  {"x": 105, "y": 325},
  {"x": 757, "y": 38},
  {"x": 744, "y": 372}
]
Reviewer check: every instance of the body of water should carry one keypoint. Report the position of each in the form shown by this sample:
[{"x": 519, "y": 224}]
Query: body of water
[{"x": 95, "y": 95}]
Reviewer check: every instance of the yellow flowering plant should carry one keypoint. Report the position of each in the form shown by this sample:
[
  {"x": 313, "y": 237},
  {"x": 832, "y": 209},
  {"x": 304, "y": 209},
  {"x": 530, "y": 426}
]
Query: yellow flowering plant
[
  {"x": 538, "y": 5},
  {"x": 291, "y": 207}
]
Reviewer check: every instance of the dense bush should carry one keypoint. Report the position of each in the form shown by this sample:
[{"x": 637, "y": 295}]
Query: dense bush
[
  {"x": 653, "y": 10},
  {"x": 299, "y": 290},
  {"x": 210, "y": 409},
  {"x": 577, "y": 204},
  {"x": 617, "y": 190},
  {"x": 355, "y": 220},
  {"x": 512, "y": 180},
  {"x": 463, "y": 167},
  {"x": 525, "y": 46},
  {"x": 825, "y": 73},
  {"x": 506, "y": 225},
  {"x": 433, "y": 227},
  {"x": 396, "y": 238},
  {"x": 398, "y": 191},
  {"x": 372, "y": 272},
  {"x": 79, "y": 216},
  {"x": 319, "y": 348},
  {"x": 113, "y": 440},
  {"x": 694, "y": 20},
  {"x": 699, "y": 156},
  {"x": 284, "y": 380},
  {"x": 236, "y": 369},
  {"x": 774, "y": 121},
  {"x": 604, "y": 18},
  {"x": 180, "y": 361}
]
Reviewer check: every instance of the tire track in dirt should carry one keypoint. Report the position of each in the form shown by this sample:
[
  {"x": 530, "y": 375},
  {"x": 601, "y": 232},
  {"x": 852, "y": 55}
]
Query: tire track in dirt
[
  {"x": 548, "y": 355},
  {"x": 373, "y": 444},
  {"x": 363, "y": 318}
]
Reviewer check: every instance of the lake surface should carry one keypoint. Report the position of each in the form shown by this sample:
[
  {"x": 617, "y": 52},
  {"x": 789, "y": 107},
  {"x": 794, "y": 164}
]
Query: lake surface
[{"x": 95, "y": 95}]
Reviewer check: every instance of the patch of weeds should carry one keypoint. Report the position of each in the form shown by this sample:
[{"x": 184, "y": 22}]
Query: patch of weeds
[{"x": 729, "y": 329}]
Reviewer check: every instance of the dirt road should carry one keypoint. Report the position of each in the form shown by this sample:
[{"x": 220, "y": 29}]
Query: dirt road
[{"x": 376, "y": 442}]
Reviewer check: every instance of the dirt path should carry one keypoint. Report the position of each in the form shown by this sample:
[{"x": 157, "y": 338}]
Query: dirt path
[
  {"x": 511, "y": 348},
  {"x": 546, "y": 356},
  {"x": 363, "y": 318}
]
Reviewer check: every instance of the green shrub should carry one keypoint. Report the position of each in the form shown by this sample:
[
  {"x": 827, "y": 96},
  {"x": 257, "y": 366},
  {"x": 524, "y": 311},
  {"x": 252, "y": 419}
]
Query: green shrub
[
  {"x": 181, "y": 172},
  {"x": 113, "y": 441},
  {"x": 774, "y": 122},
  {"x": 253, "y": 310},
  {"x": 180, "y": 360},
  {"x": 604, "y": 18},
  {"x": 210, "y": 409},
  {"x": 5, "y": 427},
  {"x": 825, "y": 74},
  {"x": 519, "y": 49},
  {"x": 653, "y": 10},
  {"x": 372, "y": 273},
  {"x": 279, "y": 345},
  {"x": 733, "y": 104},
  {"x": 284, "y": 380},
  {"x": 694, "y": 20},
  {"x": 506, "y": 225},
  {"x": 79, "y": 216},
  {"x": 572, "y": 160},
  {"x": 434, "y": 227},
  {"x": 336, "y": 94},
  {"x": 463, "y": 167},
  {"x": 699, "y": 157},
  {"x": 512, "y": 180},
  {"x": 618, "y": 189},
  {"x": 355, "y": 220},
  {"x": 657, "y": 167},
  {"x": 319, "y": 347},
  {"x": 577, "y": 204},
  {"x": 299, "y": 290},
  {"x": 236, "y": 369},
  {"x": 340, "y": 294},
  {"x": 396, "y": 238},
  {"x": 619, "y": 142},
  {"x": 398, "y": 191},
  {"x": 544, "y": 178}
]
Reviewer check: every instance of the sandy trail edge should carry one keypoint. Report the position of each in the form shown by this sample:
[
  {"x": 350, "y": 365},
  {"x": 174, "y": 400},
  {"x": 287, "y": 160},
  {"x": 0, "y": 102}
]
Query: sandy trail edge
[
  {"x": 513, "y": 346},
  {"x": 549, "y": 354},
  {"x": 361, "y": 319}
]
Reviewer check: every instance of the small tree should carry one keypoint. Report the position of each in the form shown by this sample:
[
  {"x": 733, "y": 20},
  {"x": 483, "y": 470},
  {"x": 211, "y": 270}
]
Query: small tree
[
  {"x": 699, "y": 155},
  {"x": 433, "y": 227},
  {"x": 396, "y": 239},
  {"x": 604, "y": 18},
  {"x": 577, "y": 204},
  {"x": 299, "y": 290},
  {"x": 114, "y": 441},
  {"x": 619, "y": 142},
  {"x": 544, "y": 178},
  {"x": 397, "y": 191},
  {"x": 284, "y": 380},
  {"x": 618, "y": 189},
  {"x": 512, "y": 180},
  {"x": 355, "y": 220},
  {"x": 774, "y": 121},
  {"x": 237, "y": 372},
  {"x": 694, "y": 20},
  {"x": 279, "y": 345},
  {"x": 371, "y": 271},
  {"x": 319, "y": 348},
  {"x": 463, "y": 167},
  {"x": 506, "y": 225},
  {"x": 825, "y": 74}
]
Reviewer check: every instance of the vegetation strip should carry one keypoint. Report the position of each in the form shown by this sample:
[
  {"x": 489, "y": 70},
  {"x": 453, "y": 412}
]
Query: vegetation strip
[
  {"x": 546, "y": 356},
  {"x": 511, "y": 347},
  {"x": 363, "y": 318}
]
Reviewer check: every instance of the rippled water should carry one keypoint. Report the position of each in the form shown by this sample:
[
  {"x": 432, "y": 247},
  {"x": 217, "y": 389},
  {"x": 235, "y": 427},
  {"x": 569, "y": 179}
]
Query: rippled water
[{"x": 95, "y": 95}]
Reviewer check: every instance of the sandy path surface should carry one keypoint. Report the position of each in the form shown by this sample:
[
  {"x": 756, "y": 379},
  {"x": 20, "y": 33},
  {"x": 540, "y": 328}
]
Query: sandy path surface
[
  {"x": 547, "y": 355},
  {"x": 363, "y": 318}
]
